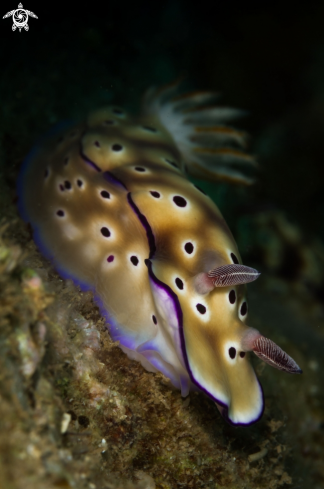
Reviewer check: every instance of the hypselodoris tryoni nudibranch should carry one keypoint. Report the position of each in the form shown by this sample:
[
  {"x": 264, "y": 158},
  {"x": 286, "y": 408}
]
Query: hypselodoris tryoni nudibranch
[{"x": 111, "y": 207}]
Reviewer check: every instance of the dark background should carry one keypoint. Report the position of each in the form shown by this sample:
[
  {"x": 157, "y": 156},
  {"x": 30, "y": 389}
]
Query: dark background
[{"x": 266, "y": 58}]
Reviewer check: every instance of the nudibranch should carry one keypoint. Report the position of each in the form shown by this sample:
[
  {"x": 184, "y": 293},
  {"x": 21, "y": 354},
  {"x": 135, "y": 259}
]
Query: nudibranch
[{"x": 111, "y": 207}]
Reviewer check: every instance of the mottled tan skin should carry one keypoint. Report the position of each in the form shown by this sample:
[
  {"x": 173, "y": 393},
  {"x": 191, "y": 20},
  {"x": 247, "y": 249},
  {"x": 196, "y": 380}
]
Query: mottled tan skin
[{"x": 76, "y": 244}]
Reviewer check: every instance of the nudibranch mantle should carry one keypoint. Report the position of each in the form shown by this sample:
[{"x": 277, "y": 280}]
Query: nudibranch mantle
[{"x": 111, "y": 207}]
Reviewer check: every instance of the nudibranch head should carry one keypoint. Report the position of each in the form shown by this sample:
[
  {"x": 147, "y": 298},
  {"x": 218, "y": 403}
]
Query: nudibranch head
[{"x": 217, "y": 359}]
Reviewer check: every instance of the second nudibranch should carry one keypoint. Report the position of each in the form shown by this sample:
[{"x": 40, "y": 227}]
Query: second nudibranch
[{"x": 112, "y": 208}]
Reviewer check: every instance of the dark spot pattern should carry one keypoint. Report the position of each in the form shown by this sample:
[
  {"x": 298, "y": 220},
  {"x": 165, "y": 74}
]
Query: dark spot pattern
[
  {"x": 201, "y": 308},
  {"x": 67, "y": 185},
  {"x": 105, "y": 232},
  {"x": 154, "y": 319},
  {"x": 117, "y": 147},
  {"x": 242, "y": 354},
  {"x": 46, "y": 173},
  {"x": 179, "y": 201},
  {"x": 79, "y": 182},
  {"x": 60, "y": 213},
  {"x": 110, "y": 258},
  {"x": 155, "y": 194},
  {"x": 104, "y": 194},
  {"x": 243, "y": 310},
  {"x": 189, "y": 247},
  {"x": 118, "y": 111},
  {"x": 134, "y": 260},
  {"x": 61, "y": 187},
  {"x": 179, "y": 283},
  {"x": 96, "y": 143},
  {"x": 139, "y": 168},
  {"x": 234, "y": 258},
  {"x": 232, "y": 352},
  {"x": 232, "y": 296}
]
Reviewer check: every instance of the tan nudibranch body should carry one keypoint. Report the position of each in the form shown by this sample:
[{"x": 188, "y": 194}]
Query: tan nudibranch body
[{"x": 112, "y": 208}]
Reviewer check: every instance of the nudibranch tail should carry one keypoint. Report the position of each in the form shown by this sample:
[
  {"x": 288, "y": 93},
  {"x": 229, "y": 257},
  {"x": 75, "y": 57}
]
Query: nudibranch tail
[{"x": 210, "y": 149}]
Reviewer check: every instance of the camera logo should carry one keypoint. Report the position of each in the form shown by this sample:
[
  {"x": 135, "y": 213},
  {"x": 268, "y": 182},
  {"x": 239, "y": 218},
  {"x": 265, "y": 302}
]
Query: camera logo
[{"x": 20, "y": 18}]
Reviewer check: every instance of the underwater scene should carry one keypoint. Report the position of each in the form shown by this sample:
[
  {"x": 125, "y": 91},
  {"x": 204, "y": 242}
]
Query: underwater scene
[{"x": 162, "y": 245}]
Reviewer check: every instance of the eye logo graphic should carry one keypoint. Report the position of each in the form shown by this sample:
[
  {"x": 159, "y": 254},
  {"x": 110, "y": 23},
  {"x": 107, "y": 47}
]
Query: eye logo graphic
[{"x": 20, "y": 18}]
